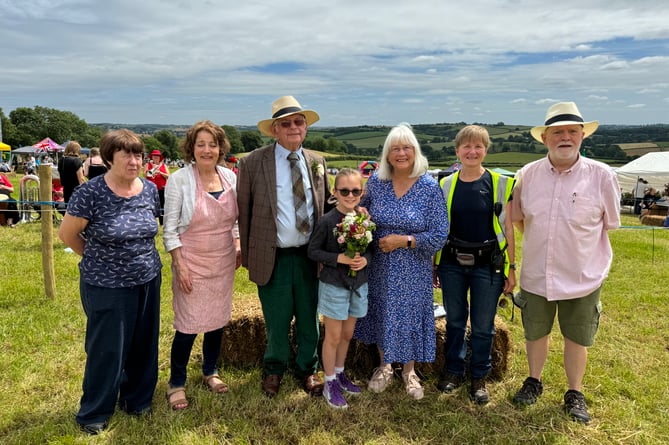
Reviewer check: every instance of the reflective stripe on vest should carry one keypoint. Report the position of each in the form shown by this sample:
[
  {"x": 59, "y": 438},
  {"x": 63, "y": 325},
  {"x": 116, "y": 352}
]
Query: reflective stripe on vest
[{"x": 501, "y": 189}]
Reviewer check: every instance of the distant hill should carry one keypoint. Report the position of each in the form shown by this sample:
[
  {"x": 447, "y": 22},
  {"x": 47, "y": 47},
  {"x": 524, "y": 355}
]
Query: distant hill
[{"x": 512, "y": 145}]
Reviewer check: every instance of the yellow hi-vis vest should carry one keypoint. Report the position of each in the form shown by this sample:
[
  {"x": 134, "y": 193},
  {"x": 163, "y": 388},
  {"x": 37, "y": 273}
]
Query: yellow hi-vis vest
[{"x": 502, "y": 186}]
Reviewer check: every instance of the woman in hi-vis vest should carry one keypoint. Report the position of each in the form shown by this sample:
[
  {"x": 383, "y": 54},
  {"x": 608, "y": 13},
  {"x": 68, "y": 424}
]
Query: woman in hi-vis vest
[{"x": 478, "y": 259}]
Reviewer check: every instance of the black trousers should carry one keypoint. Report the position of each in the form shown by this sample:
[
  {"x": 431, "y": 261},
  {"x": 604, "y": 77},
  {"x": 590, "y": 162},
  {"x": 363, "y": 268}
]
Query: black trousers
[{"x": 121, "y": 349}]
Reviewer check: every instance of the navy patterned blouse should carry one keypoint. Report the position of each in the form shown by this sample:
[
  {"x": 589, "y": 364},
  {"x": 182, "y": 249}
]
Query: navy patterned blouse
[{"x": 120, "y": 246}]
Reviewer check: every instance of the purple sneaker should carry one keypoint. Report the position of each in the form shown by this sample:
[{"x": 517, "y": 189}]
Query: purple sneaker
[
  {"x": 332, "y": 395},
  {"x": 346, "y": 385}
]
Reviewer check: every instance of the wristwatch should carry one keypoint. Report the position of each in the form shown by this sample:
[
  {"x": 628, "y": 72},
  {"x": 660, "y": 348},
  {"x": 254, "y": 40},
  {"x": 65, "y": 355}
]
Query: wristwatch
[{"x": 512, "y": 266}]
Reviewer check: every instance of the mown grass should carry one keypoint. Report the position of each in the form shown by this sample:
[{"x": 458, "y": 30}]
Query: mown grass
[{"x": 626, "y": 384}]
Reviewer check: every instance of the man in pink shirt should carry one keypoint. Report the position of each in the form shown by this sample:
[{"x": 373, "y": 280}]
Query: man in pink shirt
[{"x": 564, "y": 204}]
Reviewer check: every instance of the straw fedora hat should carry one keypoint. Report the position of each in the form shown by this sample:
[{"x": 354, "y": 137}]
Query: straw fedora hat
[
  {"x": 286, "y": 106},
  {"x": 563, "y": 113}
]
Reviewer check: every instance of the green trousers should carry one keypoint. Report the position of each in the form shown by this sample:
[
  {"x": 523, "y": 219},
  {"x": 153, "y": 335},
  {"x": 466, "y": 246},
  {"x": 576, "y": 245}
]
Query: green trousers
[{"x": 291, "y": 292}]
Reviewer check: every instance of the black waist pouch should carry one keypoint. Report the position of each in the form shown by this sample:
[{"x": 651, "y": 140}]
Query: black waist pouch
[{"x": 470, "y": 254}]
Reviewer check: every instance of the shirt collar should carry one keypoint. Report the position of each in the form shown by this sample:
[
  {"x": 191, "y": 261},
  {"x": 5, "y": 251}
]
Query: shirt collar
[
  {"x": 571, "y": 169},
  {"x": 284, "y": 152}
]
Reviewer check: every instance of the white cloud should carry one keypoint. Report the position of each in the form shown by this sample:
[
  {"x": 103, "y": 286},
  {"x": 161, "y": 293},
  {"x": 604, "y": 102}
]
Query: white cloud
[{"x": 177, "y": 61}]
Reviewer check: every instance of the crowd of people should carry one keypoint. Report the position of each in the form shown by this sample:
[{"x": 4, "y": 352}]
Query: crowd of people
[{"x": 364, "y": 256}]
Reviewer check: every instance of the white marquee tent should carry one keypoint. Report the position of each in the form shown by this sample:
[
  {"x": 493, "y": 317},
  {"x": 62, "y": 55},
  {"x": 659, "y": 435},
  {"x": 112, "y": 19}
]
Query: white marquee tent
[{"x": 653, "y": 167}]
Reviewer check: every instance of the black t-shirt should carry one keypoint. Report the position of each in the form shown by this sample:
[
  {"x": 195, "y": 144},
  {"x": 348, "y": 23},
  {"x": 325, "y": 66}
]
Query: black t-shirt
[
  {"x": 96, "y": 170},
  {"x": 67, "y": 169},
  {"x": 472, "y": 210}
]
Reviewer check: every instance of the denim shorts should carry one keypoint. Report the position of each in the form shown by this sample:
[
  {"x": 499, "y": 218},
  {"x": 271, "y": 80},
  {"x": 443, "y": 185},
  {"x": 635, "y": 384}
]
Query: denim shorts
[
  {"x": 340, "y": 303},
  {"x": 578, "y": 317}
]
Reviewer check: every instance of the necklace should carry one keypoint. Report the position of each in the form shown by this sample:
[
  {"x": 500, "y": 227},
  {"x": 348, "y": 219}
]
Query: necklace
[{"x": 211, "y": 183}]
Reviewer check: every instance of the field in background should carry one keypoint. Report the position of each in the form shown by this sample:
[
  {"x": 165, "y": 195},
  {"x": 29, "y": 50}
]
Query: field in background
[{"x": 626, "y": 384}]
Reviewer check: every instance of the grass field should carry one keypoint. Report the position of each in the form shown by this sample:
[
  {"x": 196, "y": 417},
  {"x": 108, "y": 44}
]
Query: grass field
[{"x": 626, "y": 384}]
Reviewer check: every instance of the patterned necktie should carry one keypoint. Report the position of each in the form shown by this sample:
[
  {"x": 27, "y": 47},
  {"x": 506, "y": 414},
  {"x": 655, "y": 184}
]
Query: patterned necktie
[{"x": 299, "y": 198}]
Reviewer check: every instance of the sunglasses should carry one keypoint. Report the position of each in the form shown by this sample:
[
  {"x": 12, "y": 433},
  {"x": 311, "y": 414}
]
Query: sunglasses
[
  {"x": 345, "y": 192},
  {"x": 299, "y": 122}
]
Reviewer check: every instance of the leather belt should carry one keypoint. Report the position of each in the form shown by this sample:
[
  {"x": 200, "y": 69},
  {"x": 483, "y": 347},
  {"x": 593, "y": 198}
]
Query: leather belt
[{"x": 299, "y": 250}]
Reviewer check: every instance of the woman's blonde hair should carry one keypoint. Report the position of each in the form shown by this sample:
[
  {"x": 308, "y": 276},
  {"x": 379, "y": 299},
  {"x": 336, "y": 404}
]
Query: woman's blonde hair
[
  {"x": 472, "y": 133},
  {"x": 72, "y": 149}
]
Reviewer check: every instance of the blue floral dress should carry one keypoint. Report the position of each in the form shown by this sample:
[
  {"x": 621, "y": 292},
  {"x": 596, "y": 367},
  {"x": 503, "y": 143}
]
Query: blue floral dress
[{"x": 400, "y": 317}]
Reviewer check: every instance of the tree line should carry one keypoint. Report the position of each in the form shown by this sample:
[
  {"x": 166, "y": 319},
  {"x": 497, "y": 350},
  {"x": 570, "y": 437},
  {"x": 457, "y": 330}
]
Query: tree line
[{"x": 26, "y": 126}]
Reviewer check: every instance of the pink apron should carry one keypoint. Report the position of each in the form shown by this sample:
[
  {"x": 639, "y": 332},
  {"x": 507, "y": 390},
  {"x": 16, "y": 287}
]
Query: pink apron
[{"x": 208, "y": 250}]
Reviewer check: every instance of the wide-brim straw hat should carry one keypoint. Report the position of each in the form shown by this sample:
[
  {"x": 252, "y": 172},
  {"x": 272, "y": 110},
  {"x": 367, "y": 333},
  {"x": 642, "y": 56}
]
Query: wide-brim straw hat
[
  {"x": 564, "y": 113},
  {"x": 283, "y": 107}
]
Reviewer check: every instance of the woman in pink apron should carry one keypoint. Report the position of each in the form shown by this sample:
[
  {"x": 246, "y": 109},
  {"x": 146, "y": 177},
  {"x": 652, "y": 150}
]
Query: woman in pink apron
[{"x": 201, "y": 235}]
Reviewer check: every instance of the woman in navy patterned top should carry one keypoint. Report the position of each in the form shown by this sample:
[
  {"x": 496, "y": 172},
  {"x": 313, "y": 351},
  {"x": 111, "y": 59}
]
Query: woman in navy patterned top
[{"x": 111, "y": 223}]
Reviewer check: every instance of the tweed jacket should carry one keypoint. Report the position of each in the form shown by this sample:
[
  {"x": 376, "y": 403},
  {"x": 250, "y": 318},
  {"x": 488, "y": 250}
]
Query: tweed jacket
[{"x": 257, "y": 201}]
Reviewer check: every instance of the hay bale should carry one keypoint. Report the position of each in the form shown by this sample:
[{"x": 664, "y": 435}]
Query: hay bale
[
  {"x": 245, "y": 339},
  {"x": 362, "y": 359},
  {"x": 653, "y": 220}
]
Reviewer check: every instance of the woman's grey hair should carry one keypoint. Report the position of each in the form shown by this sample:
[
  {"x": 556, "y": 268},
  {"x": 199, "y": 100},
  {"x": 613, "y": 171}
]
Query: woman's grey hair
[{"x": 403, "y": 134}]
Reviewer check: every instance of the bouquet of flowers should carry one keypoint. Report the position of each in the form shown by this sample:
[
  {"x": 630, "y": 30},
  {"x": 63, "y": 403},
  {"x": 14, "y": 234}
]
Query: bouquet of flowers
[{"x": 354, "y": 233}]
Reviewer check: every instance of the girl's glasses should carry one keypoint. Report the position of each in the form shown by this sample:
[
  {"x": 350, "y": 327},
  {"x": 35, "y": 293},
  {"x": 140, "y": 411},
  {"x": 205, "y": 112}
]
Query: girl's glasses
[{"x": 345, "y": 192}]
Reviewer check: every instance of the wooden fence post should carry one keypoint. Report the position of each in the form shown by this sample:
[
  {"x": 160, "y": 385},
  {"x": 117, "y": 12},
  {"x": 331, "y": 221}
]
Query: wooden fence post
[{"x": 45, "y": 195}]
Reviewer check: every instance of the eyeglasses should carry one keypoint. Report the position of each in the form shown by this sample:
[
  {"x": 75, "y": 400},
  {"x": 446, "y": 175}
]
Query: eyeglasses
[
  {"x": 345, "y": 192},
  {"x": 406, "y": 149},
  {"x": 299, "y": 122}
]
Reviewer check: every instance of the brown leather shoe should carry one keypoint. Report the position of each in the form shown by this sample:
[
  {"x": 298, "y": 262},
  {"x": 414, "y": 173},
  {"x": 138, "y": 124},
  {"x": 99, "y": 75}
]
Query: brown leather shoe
[
  {"x": 313, "y": 385},
  {"x": 270, "y": 384}
]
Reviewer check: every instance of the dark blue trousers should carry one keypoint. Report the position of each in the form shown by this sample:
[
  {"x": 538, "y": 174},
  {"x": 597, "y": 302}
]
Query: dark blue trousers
[
  {"x": 483, "y": 287},
  {"x": 121, "y": 349}
]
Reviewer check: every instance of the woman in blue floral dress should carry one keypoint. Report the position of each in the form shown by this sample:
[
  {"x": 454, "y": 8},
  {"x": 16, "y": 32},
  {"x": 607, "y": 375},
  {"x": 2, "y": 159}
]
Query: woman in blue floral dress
[{"x": 408, "y": 208}]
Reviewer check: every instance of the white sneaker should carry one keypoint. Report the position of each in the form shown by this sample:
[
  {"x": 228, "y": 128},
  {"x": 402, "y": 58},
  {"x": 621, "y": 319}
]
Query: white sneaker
[
  {"x": 414, "y": 388},
  {"x": 380, "y": 379}
]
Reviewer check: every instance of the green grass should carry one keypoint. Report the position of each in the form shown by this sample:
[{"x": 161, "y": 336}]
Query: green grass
[{"x": 626, "y": 384}]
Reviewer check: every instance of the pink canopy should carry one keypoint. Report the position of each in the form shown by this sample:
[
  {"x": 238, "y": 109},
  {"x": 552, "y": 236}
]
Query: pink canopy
[{"x": 47, "y": 144}]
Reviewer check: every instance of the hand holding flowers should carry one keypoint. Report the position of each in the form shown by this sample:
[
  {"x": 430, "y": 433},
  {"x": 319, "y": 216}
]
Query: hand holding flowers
[{"x": 354, "y": 233}]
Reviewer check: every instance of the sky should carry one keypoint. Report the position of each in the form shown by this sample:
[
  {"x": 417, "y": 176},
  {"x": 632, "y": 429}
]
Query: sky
[{"x": 362, "y": 62}]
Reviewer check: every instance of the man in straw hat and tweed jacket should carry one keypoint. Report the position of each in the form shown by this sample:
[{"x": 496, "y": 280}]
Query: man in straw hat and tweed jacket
[
  {"x": 565, "y": 204},
  {"x": 281, "y": 191}
]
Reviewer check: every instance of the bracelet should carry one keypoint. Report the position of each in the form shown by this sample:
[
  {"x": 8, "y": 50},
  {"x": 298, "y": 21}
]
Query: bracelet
[{"x": 408, "y": 241}]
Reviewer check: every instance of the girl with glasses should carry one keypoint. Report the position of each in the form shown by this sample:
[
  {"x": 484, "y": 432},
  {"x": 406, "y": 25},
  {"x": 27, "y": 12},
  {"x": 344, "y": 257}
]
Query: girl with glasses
[{"x": 342, "y": 295}]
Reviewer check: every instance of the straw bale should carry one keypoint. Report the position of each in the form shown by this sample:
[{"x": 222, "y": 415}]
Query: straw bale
[
  {"x": 245, "y": 339},
  {"x": 653, "y": 220},
  {"x": 362, "y": 359}
]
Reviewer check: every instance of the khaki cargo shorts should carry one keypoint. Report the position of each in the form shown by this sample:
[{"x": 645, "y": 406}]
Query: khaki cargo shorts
[{"x": 578, "y": 318}]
